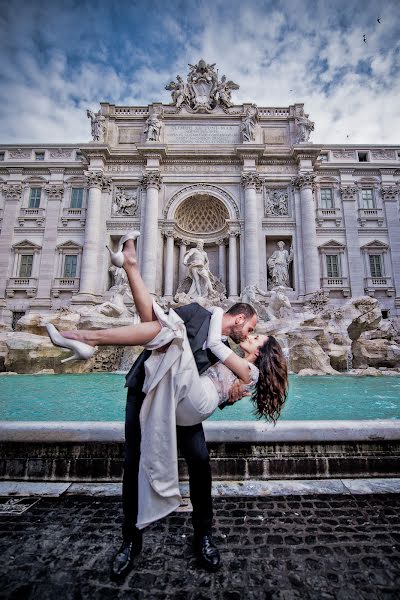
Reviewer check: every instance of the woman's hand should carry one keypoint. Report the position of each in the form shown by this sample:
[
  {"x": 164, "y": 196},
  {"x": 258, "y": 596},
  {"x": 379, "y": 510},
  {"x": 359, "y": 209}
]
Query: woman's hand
[{"x": 237, "y": 392}]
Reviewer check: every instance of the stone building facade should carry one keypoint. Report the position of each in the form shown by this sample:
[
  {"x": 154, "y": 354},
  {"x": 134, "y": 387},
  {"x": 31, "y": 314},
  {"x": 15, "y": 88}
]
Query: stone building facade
[{"x": 240, "y": 177}]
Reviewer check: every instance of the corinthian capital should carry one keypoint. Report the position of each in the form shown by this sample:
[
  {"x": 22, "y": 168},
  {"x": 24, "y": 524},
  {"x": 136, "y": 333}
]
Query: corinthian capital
[
  {"x": 389, "y": 193},
  {"x": 99, "y": 180},
  {"x": 348, "y": 192},
  {"x": 54, "y": 192},
  {"x": 251, "y": 179},
  {"x": 304, "y": 180},
  {"x": 12, "y": 191},
  {"x": 152, "y": 179}
]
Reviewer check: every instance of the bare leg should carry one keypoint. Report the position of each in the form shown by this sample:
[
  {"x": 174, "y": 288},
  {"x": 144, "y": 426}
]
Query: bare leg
[
  {"x": 131, "y": 335},
  {"x": 141, "y": 295}
]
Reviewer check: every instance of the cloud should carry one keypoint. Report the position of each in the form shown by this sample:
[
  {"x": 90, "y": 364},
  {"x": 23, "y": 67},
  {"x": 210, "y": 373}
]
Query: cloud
[{"x": 61, "y": 57}]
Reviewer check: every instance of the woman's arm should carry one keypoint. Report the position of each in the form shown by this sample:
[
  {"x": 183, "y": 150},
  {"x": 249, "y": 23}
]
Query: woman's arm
[{"x": 238, "y": 365}]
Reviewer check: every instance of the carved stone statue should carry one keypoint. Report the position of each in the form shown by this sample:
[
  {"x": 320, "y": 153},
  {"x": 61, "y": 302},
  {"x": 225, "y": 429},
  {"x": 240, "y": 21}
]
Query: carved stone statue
[
  {"x": 202, "y": 92},
  {"x": 114, "y": 304},
  {"x": 224, "y": 91},
  {"x": 153, "y": 128},
  {"x": 278, "y": 266},
  {"x": 248, "y": 126},
  {"x": 304, "y": 127},
  {"x": 196, "y": 260},
  {"x": 97, "y": 122}
]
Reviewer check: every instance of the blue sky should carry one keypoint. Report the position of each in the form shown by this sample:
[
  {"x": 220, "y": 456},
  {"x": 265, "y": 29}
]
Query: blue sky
[{"x": 58, "y": 58}]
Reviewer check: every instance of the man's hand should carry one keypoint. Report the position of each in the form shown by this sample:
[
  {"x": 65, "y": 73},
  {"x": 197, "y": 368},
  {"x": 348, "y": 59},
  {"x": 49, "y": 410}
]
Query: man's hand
[{"x": 237, "y": 392}]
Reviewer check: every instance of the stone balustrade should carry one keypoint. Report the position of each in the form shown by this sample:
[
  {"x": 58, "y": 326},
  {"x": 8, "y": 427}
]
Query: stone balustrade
[{"x": 26, "y": 284}]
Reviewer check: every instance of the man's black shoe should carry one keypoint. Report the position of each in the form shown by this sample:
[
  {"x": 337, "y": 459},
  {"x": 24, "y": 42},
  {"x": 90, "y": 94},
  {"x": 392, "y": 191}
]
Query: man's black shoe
[
  {"x": 123, "y": 560},
  {"x": 207, "y": 552}
]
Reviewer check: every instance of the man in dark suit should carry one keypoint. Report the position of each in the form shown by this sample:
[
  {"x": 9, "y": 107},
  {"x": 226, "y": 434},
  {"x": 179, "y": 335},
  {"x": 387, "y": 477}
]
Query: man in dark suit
[{"x": 237, "y": 323}]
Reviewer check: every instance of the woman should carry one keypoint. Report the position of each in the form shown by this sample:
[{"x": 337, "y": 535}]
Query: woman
[{"x": 175, "y": 393}]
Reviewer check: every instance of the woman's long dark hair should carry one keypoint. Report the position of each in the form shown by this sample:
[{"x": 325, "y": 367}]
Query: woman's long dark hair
[{"x": 272, "y": 386}]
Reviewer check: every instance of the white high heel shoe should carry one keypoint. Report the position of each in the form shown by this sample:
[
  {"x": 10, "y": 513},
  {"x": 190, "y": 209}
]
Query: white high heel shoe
[
  {"x": 81, "y": 351},
  {"x": 117, "y": 258}
]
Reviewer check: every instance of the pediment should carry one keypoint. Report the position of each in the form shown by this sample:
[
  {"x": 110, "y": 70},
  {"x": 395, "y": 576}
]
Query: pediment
[
  {"x": 26, "y": 245},
  {"x": 69, "y": 245},
  {"x": 375, "y": 244},
  {"x": 333, "y": 244}
]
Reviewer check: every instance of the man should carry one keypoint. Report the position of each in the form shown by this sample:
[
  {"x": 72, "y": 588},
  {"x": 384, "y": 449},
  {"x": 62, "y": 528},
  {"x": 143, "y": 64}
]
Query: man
[{"x": 238, "y": 322}]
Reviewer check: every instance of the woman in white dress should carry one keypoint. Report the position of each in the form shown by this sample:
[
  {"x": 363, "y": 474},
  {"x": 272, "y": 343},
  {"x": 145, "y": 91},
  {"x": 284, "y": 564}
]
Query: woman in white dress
[{"x": 175, "y": 393}]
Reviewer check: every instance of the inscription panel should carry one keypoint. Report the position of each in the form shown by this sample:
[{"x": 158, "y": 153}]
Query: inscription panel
[
  {"x": 275, "y": 135},
  {"x": 202, "y": 134},
  {"x": 129, "y": 135}
]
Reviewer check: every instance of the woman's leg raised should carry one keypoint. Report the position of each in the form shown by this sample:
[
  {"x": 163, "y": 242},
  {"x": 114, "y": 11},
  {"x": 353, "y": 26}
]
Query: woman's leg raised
[
  {"x": 140, "y": 293},
  {"x": 131, "y": 335}
]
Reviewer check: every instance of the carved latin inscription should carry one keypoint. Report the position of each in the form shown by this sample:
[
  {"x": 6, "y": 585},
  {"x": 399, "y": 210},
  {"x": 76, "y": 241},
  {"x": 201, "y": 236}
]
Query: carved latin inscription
[{"x": 202, "y": 134}]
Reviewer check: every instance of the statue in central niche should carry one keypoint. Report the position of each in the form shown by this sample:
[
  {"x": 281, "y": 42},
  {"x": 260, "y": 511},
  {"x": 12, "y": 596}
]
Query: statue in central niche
[
  {"x": 278, "y": 266},
  {"x": 196, "y": 260}
]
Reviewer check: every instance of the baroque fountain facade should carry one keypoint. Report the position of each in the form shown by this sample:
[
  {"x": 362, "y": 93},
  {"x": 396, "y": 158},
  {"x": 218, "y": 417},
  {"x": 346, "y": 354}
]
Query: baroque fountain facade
[{"x": 234, "y": 202}]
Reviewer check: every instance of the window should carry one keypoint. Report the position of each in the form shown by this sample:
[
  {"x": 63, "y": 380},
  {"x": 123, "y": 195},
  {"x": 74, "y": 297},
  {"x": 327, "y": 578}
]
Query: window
[
  {"x": 323, "y": 157},
  {"x": 34, "y": 197},
  {"x": 367, "y": 197},
  {"x": 2, "y": 154},
  {"x": 385, "y": 313},
  {"x": 39, "y": 155},
  {"x": 76, "y": 198},
  {"x": 78, "y": 156},
  {"x": 362, "y": 156},
  {"x": 70, "y": 263},
  {"x": 332, "y": 265},
  {"x": 375, "y": 264},
  {"x": 25, "y": 267},
  {"x": 326, "y": 198}
]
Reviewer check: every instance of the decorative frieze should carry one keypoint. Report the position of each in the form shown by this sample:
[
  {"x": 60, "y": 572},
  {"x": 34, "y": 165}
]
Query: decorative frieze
[
  {"x": 383, "y": 154},
  {"x": 60, "y": 153},
  {"x": 276, "y": 202},
  {"x": 304, "y": 180},
  {"x": 251, "y": 179},
  {"x": 344, "y": 154},
  {"x": 20, "y": 153},
  {"x": 152, "y": 179}
]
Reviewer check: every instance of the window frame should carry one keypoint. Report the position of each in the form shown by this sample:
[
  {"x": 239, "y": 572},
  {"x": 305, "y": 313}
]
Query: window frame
[
  {"x": 28, "y": 267},
  {"x": 332, "y": 197},
  {"x": 368, "y": 189},
  {"x": 72, "y": 197},
  {"x": 338, "y": 266},
  {"x": 381, "y": 263},
  {"x": 30, "y": 197},
  {"x": 40, "y": 155},
  {"x": 67, "y": 257}
]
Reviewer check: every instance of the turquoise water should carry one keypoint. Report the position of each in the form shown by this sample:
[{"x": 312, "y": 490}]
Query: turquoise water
[{"x": 102, "y": 397}]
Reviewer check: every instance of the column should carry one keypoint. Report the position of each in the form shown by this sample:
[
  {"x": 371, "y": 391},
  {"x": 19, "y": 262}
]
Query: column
[
  {"x": 55, "y": 194},
  {"x": 90, "y": 282},
  {"x": 233, "y": 278},
  {"x": 169, "y": 264},
  {"x": 298, "y": 258},
  {"x": 349, "y": 195},
  {"x": 251, "y": 182},
  {"x": 312, "y": 281},
  {"x": 182, "y": 270},
  {"x": 12, "y": 194},
  {"x": 152, "y": 182},
  {"x": 390, "y": 198},
  {"x": 221, "y": 260}
]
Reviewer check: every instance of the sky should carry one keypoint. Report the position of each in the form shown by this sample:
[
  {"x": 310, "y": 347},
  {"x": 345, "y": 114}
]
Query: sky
[{"x": 59, "y": 58}]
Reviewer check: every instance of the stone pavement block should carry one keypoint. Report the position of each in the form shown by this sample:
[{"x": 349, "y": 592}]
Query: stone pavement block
[{"x": 272, "y": 547}]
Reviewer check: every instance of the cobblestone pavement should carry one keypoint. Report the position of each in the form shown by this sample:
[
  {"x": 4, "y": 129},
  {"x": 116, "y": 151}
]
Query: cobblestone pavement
[{"x": 273, "y": 548}]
